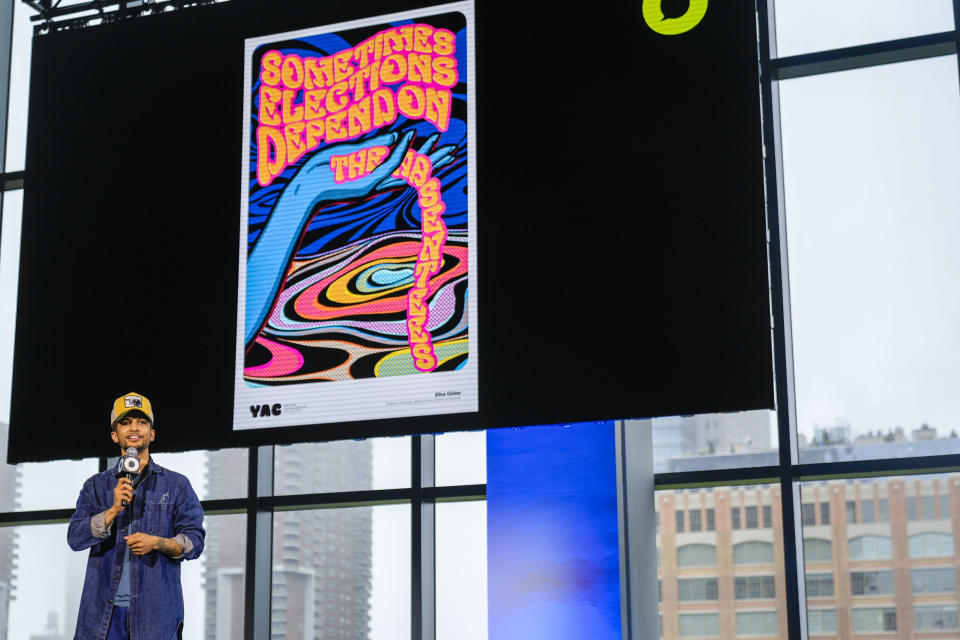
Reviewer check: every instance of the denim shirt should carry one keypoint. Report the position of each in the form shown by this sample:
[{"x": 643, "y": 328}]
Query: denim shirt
[{"x": 165, "y": 505}]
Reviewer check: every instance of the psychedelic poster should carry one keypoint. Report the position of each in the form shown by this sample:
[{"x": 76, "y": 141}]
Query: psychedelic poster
[{"x": 357, "y": 295}]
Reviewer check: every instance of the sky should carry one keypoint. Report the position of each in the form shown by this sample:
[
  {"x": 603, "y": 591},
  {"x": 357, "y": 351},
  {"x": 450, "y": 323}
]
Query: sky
[{"x": 870, "y": 163}]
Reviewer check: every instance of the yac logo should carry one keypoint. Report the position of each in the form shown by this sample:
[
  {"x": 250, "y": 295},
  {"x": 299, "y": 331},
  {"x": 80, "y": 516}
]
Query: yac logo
[
  {"x": 265, "y": 410},
  {"x": 133, "y": 401}
]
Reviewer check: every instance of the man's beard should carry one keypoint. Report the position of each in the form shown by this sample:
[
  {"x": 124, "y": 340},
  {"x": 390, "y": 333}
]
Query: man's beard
[{"x": 143, "y": 445}]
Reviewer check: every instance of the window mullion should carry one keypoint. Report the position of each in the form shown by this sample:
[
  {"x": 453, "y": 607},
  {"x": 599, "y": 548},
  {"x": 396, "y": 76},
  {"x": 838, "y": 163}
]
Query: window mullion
[{"x": 257, "y": 588}]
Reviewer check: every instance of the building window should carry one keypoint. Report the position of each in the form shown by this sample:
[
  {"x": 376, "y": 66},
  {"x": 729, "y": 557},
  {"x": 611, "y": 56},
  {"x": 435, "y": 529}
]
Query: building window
[
  {"x": 754, "y": 587},
  {"x": 883, "y": 510},
  {"x": 735, "y": 517},
  {"x": 751, "y": 518},
  {"x": 753, "y": 552},
  {"x": 867, "y": 513},
  {"x": 817, "y": 550},
  {"x": 824, "y": 513},
  {"x": 911, "y": 509},
  {"x": 933, "y": 580},
  {"x": 316, "y": 574},
  {"x": 928, "y": 507},
  {"x": 945, "y": 507},
  {"x": 756, "y": 623},
  {"x": 874, "y": 620},
  {"x": 819, "y": 585},
  {"x": 871, "y": 583},
  {"x": 696, "y": 589},
  {"x": 695, "y": 522},
  {"x": 696, "y": 555},
  {"x": 931, "y": 545},
  {"x": 767, "y": 517},
  {"x": 851, "y": 511},
  {"x": 680, "y": 527},
  {"x": 711, "y": 520},
  {"x": 808, "y": 514},
  {"x": 936, "y": 618},
  {"x": 871, "y": 548},
  {"x": 821, "y": 622},
  {"x": 699, "y": 625}
]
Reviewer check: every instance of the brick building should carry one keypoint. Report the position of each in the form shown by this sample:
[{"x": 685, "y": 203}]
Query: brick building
[{"x": 880, "y": 555}]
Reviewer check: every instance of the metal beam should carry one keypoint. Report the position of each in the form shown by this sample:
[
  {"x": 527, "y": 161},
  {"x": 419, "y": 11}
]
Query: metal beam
[
  {"x": 41, "y": 516},
  {"x": 257, "y": 588},
  {"x": 6, "y": 46},
  {"x": 868, "y": 55},
  {"x": 795, "y": 597},
  {"x": 423, "y": 541},
  {"x": 636, "y": 512},
  {"x": 58, "y": 18},
  {"x": 716, "y": 477}
]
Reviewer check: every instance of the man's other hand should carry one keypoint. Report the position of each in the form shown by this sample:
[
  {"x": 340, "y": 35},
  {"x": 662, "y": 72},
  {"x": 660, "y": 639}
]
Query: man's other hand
[{"x": 141, "y": 543}]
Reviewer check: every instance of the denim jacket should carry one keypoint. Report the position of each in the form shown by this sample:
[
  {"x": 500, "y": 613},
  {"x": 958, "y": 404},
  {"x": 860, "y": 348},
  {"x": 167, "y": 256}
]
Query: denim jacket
[{"x": 164, "y": 505}]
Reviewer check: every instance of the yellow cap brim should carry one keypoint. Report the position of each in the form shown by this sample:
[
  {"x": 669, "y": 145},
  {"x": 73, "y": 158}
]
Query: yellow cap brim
[{"x": 129, "y": 411}]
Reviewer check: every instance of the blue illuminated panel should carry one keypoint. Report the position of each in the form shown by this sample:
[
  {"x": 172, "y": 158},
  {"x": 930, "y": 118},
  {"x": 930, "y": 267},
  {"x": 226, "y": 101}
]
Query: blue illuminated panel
[{"x": 553, "y": 552}]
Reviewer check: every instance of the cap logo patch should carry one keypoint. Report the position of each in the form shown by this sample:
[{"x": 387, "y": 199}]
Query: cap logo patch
[{"x": 132, "y": 401}]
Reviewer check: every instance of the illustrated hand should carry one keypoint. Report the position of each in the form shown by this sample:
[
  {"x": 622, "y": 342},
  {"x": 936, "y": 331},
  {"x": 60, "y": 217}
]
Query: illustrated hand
[
  {"x": 315, "y": 180},
  {"x": 141, "y": 544},
  {"x": 313, "y": 185},
  {"x": 438, "y": 158},
  {"x": 123, "y": 491}
]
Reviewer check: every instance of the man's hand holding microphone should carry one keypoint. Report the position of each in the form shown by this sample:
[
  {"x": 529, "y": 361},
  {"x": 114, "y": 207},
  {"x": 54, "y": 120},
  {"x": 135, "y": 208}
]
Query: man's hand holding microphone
[{"x": 139, "y": 543}]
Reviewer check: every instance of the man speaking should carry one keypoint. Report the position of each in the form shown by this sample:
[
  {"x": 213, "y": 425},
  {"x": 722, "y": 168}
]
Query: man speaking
[{"x": 139, "y": 521}]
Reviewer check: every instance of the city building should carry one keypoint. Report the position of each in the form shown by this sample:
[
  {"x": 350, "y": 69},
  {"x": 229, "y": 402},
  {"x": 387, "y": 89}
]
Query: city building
[
  {"x": 879, "y": 555},
  {"x": 710, "y": 434},
  {"x": 50, "y": 630},
  {"x": 322, "y": 578},
  {"x": 9, "y": 501}
]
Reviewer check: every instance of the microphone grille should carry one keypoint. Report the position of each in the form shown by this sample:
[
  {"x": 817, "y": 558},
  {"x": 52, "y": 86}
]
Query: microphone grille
[{"x": 131, "y": 452}]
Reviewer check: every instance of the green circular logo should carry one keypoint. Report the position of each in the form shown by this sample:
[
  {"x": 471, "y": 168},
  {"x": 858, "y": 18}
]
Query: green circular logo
[{"x": 672, "y": 26}]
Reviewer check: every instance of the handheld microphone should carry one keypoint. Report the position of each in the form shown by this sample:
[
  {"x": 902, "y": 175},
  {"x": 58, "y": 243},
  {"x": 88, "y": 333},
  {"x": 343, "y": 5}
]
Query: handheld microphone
[{"x": 131, "y": 466}]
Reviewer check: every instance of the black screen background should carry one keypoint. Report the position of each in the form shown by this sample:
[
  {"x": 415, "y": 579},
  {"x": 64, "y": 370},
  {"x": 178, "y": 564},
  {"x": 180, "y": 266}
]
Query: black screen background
[{"x": 621, "y": 233}]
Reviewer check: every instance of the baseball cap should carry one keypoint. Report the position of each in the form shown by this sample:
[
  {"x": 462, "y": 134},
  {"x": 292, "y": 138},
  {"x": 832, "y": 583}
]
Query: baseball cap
[{"x": 128, "y": 403}]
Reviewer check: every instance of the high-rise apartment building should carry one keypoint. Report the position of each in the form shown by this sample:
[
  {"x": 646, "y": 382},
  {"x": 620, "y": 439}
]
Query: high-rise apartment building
[
  {"x": 322, "y": 558},
  {"x": 9, "y": 500}
]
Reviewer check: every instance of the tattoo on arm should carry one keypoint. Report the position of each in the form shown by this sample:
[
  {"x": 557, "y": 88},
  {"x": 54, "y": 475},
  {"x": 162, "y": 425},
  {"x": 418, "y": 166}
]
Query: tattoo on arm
[{"x": 169, "y": 547}]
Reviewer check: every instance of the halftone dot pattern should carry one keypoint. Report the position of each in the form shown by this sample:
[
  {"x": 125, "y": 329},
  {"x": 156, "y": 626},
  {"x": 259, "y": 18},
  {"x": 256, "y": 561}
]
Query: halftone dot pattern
[{"x": 358, "y": 255}]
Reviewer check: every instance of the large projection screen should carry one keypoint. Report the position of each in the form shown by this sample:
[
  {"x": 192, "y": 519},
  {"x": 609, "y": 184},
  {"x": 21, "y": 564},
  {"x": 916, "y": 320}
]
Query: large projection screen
[{"x": 294, "y": 221}]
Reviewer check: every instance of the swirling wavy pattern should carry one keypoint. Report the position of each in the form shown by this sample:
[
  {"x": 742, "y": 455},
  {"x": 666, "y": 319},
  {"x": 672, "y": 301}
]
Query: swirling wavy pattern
[{"x": 342, "y": 315}]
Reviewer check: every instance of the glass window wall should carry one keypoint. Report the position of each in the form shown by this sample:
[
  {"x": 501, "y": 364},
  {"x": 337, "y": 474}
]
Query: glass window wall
[
  {"x": 461, "y": 570},
  {"x": 870, "y": 215},
  {"x": 805, "y": 26}
]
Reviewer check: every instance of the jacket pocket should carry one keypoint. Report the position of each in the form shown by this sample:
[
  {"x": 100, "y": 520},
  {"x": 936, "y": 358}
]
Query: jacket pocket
[{"x": 159, "y": 521}]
